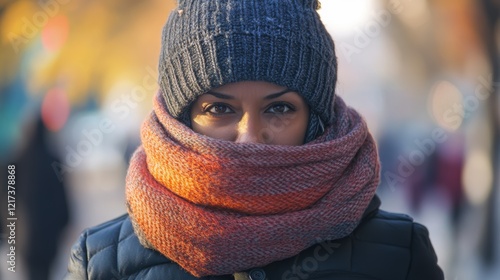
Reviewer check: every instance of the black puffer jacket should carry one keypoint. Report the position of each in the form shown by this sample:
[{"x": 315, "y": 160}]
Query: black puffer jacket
[{"x": 384, "y": 246}]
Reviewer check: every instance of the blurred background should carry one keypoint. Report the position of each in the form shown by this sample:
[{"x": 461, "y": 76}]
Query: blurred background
[{"x": 77, "y": 78}]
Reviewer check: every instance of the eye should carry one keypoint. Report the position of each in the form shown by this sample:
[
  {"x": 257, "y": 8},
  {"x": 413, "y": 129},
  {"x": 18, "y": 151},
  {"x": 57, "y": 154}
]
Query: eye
[
  {"x": 280, "y": 108},
  {"x": 217, "y": 109}
]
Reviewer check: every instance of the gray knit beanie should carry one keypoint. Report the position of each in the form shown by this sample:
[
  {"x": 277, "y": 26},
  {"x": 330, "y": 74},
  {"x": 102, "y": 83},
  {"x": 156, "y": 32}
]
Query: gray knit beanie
[{"x": 210, "y": 43}]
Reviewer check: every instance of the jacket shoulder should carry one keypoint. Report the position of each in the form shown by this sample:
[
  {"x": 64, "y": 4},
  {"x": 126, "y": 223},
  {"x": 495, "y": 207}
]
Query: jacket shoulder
[
  {"x": 384, "y": 246},
  {"x": 386, "y": 228},
  {"x": 112, "y": 251},
  {"x": 394, "y": 246}
]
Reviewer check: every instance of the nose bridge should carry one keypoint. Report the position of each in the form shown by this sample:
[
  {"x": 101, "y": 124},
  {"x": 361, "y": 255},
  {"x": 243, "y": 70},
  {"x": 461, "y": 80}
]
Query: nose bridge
[{"x": 249, "y": 129}]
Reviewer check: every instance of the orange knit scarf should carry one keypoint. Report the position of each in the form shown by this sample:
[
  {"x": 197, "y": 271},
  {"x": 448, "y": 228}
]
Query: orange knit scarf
[{"x": 216, "y": 207}]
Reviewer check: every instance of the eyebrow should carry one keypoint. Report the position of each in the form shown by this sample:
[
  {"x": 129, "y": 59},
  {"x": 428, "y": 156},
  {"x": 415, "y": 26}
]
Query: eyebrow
[{"x": 270, "y": 96}]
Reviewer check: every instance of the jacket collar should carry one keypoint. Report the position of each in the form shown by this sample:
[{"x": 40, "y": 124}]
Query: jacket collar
[{"x": 372, "y": 208}]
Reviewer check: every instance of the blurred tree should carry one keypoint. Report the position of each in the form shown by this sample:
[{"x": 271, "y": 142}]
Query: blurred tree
[{"x": 80, "y": 46}]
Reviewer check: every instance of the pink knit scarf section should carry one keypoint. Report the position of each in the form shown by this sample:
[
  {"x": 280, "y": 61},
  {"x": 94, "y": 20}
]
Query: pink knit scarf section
[{"x": 217, "y": 207}]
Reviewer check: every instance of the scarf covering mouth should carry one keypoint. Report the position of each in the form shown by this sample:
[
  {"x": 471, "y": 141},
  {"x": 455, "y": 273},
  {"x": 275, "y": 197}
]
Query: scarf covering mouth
[{"x": 217, "y": 207}]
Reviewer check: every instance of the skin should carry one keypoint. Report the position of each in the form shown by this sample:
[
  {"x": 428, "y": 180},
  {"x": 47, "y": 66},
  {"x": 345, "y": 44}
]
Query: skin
[{"x": 251, "y": 112}]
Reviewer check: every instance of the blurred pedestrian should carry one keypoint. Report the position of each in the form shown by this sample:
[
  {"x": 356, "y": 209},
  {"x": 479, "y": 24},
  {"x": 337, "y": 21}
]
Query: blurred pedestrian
[{"x": 41, "y": 203}]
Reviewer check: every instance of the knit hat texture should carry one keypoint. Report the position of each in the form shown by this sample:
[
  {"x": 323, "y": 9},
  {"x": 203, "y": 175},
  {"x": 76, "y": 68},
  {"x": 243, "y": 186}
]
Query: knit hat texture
[{"x": 210, "y": 43}]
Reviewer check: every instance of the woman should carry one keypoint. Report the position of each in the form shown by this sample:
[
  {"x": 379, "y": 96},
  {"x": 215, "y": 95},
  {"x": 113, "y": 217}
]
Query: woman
[{"x": 250, "y": 167}]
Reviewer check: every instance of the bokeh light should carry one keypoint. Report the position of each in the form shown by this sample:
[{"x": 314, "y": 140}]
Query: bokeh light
[
  {"x": 341, "y": 17},
  {"x": 445, "y": 101},
  {"x": 55, "y": 33},
  {"x": 55, "y": 109},
  {"x": 477, "y": 177}
]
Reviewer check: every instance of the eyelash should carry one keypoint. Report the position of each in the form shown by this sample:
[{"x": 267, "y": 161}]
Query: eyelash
[
  {"x": 209, "y": 107},
  {"x": 291, "y": 108}
]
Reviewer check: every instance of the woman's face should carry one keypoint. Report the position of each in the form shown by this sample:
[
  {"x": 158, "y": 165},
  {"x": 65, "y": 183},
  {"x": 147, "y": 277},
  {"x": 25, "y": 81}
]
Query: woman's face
[{"x": 251, "y": 112}]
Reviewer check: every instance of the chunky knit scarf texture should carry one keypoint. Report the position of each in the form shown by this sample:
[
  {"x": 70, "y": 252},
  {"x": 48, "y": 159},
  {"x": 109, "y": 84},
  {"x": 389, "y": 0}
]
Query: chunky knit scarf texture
[{"x": 216, "y": 207}]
